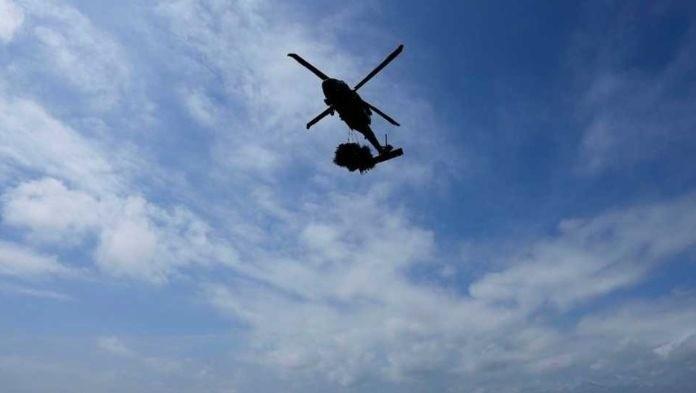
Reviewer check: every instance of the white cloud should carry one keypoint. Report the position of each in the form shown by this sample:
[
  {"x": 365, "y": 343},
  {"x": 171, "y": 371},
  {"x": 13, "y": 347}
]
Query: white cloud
[
  {"x": 52, "y": 211},
  {"x": 128, "y": 246},
  {"x": 631, "y": 114},
  {"x": 662, "y": 326},
  {"x": 343, "y": 305},
  {"x": 19, "y": 261},
  {"x": 646, "y": 343},
  {"x": 85, "y": 189},
  {"x": 70, "y": 48},
  {"x": 201, "y": 107},
  {"x": 135, "y": 238},
  {"x": 156, "y": 364},
  {"x": 34, "y": 140},
  {"x": 37, "y": 293},
  {"x": 11, "y": 19},
  {"x": 114, "y": 345},
  {"x": 595, "y": 256}
]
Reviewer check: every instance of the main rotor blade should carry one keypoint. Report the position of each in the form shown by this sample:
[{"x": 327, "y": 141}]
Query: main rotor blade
[
  {"x": 384, "y": 115},
  {"x": 310, "y": 67},
  {"x": 381, "y": 65},
  {"x": 319, "y": 117}
]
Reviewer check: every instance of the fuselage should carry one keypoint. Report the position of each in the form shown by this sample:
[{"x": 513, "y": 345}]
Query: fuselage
[{"x": 347, "y": 102}]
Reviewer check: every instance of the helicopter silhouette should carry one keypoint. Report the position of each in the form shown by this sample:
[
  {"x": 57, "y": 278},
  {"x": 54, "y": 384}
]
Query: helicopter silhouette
[{"x": 351, "y": 108}]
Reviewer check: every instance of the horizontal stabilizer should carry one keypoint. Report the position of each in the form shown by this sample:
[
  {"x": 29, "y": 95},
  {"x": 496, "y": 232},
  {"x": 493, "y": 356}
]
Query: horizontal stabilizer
[{"x": 388, "y": 155}]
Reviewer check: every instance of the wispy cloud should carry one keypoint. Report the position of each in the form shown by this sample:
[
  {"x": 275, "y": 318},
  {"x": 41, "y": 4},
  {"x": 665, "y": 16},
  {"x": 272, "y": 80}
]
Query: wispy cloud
[
  {"x": 11, "y": 19},
  {"x": 592, "y": 257},
  {"x": 66, "y": 45},
  {"x": 345, "y": 307},
  {"x": 34, "y": 140},
  {"x": 19, "y": 261},
  {"x": 75, "y": 186},
  {"x": 633, "y": 112},
  {"x": 33, "y": 292}
]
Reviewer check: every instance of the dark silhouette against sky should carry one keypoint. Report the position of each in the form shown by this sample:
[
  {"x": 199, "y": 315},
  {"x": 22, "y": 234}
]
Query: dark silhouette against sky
[{"x": 355, "y": 112}]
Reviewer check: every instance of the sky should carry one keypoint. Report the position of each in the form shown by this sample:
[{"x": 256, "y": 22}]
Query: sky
[{"x": 167, "y": 224}]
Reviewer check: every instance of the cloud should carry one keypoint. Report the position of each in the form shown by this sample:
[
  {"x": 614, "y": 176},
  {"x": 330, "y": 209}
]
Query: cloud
[
  {"x": 201, "y": 107},
  {"x": 37, "y": 293},
  {"x": 642, "y": 345},
  {"x": 356, "y": 266},
  {"x": 11, "y": 19},
  {"x": 632, "y": 112},
  {"x": 128, "y": 246},
  {"x": 344, "y": 306},
  {"x": 75, "y": 185},
  {"x": 52, "y": 211},
  {"x": 66, "y": 45},
  {"x": 19, "y": 261},
  {"x": 664, "y": 326},
  {"x": 34, "y": 140},
  {"x": 114, "y": 345},
  {"x": 593, "y": 257},
  {"x": 147, "y": 242},
  {"x": 135, "y": 238},
  {"x": 116, "y": 362}
]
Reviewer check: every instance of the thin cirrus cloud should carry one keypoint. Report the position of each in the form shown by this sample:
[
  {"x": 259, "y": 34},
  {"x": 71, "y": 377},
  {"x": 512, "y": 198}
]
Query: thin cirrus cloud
[
  {"x": 10, "y": 21},
  {"x": 19, "y": 261},
  {"x": 61, "y": 48},
  {"x": 639, "y": 113},
  {"x": 595, "y": 256}
]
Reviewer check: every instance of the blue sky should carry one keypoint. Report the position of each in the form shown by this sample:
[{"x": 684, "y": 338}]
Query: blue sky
[{"x": 167, "y": 224}]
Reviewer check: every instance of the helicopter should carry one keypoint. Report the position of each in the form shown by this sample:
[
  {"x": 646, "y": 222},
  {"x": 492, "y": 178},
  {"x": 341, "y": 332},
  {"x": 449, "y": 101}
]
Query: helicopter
[{"x": 351, "y": 108}]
